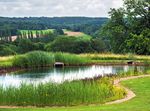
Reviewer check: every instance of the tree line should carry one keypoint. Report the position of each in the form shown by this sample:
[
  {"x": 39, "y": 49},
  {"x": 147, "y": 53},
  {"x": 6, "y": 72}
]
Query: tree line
[{"x": 82, "y": 24}]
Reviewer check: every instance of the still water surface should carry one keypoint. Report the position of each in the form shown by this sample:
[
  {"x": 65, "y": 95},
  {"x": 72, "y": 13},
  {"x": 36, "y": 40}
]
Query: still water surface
[{"x": 59, "y": 75}]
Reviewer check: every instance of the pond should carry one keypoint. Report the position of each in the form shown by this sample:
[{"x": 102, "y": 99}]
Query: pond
[{"x": 59, "y": 75}]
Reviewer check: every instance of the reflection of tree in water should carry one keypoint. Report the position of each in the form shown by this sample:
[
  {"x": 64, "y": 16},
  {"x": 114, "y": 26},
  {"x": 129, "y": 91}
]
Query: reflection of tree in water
[{"x": 34, "y": 73}]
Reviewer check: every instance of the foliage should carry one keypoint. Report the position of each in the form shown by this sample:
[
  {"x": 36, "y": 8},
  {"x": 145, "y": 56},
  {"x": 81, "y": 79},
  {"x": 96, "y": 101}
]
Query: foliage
[
  {"x": 75, "y": 45},
  {"x": 98, "y": 45},
  {"x": 9, "y": 26},
  {"x": 126, "y": 26},
  {"x": 25, "y": 45},
  {"x": 6, "y": 50},
  {"x": 142, "y": 48}
]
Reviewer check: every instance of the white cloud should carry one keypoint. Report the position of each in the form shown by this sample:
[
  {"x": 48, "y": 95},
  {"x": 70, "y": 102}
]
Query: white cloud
[{"x": 94, "y": 8}]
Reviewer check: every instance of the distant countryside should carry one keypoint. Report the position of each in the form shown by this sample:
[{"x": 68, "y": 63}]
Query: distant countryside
[{"x": 81, "y": 55}]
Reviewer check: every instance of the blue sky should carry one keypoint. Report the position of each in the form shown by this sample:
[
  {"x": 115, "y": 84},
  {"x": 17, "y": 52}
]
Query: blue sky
[{"x": 51, "y": 8}]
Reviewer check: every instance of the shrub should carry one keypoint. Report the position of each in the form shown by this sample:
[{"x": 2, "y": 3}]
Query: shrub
[
  {"x": 7, "y": 50},
  {"x": 25, "y": 45},
  {"x": 98, "y": 45},
  {"x": 70, "y": 44}
]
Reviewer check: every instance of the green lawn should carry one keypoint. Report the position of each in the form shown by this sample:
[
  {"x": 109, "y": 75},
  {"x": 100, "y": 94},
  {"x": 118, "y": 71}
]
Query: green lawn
[{"x": 140, "y": 103}]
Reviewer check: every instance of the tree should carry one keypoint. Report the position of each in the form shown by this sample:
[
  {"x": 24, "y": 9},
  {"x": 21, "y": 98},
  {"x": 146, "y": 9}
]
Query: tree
[
  {"x": 25, "y": 45},
  {"x": 115, "y": 30},
  {"x": 126, "y": 24},
  {"x": 139, "y": 44},
  {"x": 98, "y": 45}
]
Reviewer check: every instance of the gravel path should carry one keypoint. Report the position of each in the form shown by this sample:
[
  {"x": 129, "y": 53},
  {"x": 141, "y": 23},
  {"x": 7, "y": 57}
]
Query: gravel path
[{"x": 130, "y": 94}]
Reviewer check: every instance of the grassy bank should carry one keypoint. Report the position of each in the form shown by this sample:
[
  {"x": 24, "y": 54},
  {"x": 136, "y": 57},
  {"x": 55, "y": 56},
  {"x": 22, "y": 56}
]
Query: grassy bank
[
  {"x": 110, "y": 56},
  {"x": 41, "y": 59},
  {"x": 141, "y": 87},
  {"x": 66, "y": 94},
  {"x": 117, "y": 58},
  {"x": 38, "y": 58}
]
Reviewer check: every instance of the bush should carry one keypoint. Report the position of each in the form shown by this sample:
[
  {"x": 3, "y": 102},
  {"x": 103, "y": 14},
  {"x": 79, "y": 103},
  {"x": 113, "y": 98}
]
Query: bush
[
  {"x": 70, "y": 44},
  {"x": 98, "y": 45},
  {"x": 39, "y": 46},
  {"x": 7, "y": 50},
  {"x": 25, "y": 45}
]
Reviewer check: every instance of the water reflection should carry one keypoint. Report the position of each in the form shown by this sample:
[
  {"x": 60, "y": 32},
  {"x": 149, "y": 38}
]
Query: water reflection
[{"x": 59, "y": 75}]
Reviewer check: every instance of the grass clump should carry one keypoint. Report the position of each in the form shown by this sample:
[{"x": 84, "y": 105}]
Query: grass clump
[
  {"x": 70, "y": 59},
  {"x": 66, "y": 94},
  {"x": 41, "y": 59},
  {"x": 34, "y": 59}
]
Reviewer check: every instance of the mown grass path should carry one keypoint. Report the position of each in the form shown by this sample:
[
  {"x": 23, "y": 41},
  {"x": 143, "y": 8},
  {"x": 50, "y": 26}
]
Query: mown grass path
[{"x": 139, "y": 84}]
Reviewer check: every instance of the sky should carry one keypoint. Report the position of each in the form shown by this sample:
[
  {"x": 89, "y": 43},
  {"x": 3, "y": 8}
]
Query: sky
[{"x": 57, "y": 8}]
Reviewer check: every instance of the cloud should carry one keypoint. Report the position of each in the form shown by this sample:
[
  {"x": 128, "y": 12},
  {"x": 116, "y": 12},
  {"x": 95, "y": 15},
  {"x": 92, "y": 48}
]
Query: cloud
[{"x": 93, "y": 8}]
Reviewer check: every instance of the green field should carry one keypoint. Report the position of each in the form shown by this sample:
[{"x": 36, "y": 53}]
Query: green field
[
  {"x": 77, "y": 34},
  {"x": 141, "y": 87},
  {"x": 34, "y": 31}
]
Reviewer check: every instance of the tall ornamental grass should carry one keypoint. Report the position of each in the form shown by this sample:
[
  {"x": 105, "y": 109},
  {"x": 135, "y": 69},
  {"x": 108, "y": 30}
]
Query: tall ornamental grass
[
  {"x": 66, "y": 94},
  {"x": 41, "y": 59},
  {"x": 70, "y": 59},
  {"x": 34, "y": 59}
]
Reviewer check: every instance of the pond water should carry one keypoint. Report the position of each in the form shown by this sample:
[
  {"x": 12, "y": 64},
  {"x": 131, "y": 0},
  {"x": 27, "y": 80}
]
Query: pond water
[{"x": 59, "y": 75}]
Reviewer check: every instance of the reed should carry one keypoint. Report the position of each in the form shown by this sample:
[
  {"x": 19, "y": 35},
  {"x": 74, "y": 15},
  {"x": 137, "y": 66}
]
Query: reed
[
  {"x": 41, "y": 59},
  {"x": 34, "y": 59},
  {"x": 66, "y": 94},
  {"x": 71, "y": 59}
]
